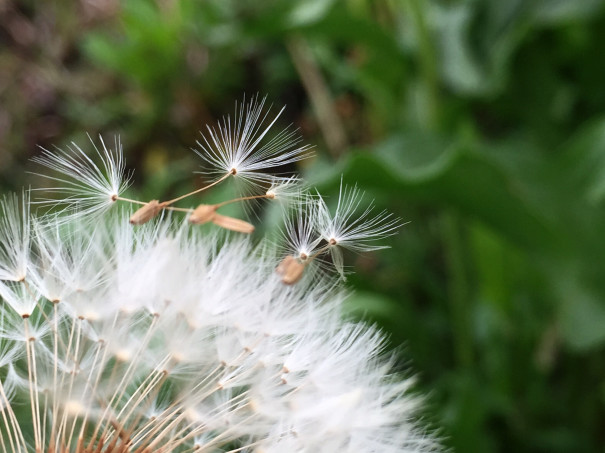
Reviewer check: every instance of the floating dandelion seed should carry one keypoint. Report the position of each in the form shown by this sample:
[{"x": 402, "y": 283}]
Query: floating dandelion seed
[
  {"x": 86, "y": 187},
  {"x": 243, "y": 148},
  {"x": 352, "y": 226},
  {"x": 351, "y": 229},
  {"x": 289, "y": 191},
  {"x": 312, "y": 232}
]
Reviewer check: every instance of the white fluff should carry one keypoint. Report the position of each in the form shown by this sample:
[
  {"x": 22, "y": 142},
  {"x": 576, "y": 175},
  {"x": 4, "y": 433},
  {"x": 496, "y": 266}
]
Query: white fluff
[
  {"x": 191, "y": 344},
  {"x": 165, "y": 337}
]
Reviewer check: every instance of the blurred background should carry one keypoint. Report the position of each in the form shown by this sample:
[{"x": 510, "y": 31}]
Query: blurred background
[{"x": 481, "y": 122}]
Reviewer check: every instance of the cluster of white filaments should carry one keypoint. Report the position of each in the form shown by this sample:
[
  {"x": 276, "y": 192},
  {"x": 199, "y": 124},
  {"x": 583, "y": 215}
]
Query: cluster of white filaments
[
  {"x": 313, "y": 232},
  {"x": 155, "y": 338}
]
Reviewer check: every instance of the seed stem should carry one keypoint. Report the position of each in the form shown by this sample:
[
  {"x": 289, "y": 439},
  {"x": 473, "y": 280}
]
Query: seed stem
[
  {"x": 167, "y": 203},
  {"x": 322, "y": 250},
  {"x": 170, "y": 208},
  {"x": 115, "y": 198},
  {"x": 235, "y": 200}
]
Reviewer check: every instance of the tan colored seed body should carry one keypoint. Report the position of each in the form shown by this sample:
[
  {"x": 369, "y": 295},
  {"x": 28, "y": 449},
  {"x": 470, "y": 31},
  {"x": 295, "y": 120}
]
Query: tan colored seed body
[
  {"x": 146, "y": 213},
  {"x": 290, "y": 269},
  {"x": 202, "y": 214},
  {"x": 233, "y": 224}
]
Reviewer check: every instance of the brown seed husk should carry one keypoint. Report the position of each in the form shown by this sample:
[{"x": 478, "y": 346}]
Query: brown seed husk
[
  {"x": 233, "y": 224},
  {"x": 282, "y": 267},
  {"x": 146, "y": 213},
  {"x": 202, "y": 214},
  {"x": 290, "y": 269}
]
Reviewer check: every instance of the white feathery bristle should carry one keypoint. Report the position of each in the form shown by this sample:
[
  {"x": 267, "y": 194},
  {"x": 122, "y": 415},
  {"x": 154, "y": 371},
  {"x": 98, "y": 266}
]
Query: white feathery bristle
[
  {"x": 87, "y": 187},
  {"x": 300, "y": 235},
  {"x": 353, "y": 227},
  {"x": 15, "y": 234},
  {"x": 288, "y": 191},
  {"x": 244, "y": 147}
]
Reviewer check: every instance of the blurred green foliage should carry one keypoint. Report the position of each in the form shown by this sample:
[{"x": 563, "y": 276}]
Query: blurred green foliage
[{"x": 482, "y": 122}]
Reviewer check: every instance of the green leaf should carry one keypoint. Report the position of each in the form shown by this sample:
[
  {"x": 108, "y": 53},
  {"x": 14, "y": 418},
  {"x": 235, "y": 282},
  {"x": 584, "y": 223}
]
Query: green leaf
[
  {"x": 581, "y": 312},
  {"x": 308, "y": 11},
  {"x": 556, "y": 11}
]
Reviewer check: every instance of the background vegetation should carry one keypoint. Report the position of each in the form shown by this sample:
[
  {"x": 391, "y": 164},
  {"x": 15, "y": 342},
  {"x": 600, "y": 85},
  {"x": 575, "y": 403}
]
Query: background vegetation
[{"x": 482, "y": 122}]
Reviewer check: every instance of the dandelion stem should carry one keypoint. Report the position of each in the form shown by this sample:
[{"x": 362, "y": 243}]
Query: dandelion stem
[
  {"x": 68, "y": 354},
  {"x": 32, "y": 381},
  {"x": 235, "y": 200},
  {"x": 94, "y": 386},
  {"x": 121, "y": 387},
  {"x": 152, "y": 382},
  {"x": 322, "y": 250},
  {"x": 129, "y": 200},
  {"x": 55, "y": 370},
  {"x": 71, "y": 382},
  {"x": 63, "y": 425},
  {"x": 16, "y": 427},
  {"x": 168, "y": 203},
  {"x": 2, "y": 437},
  {"x": 170, "y": 208},
  {"x": 6, "y": 405}
]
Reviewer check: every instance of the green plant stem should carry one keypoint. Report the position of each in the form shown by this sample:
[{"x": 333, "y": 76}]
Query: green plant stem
[
  {"x": 428, "y": 64},
  {"x": 458, "y": 290}
]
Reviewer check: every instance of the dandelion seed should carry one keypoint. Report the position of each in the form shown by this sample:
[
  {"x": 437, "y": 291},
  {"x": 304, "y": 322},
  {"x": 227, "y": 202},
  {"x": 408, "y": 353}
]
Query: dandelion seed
[
  {"x": 21, "y": 298},
  {"x": 300, "y": 231},
  {"x": 291, "y": 270},
  {"x": 237, "y": 147},
  {"x": 87, "y": 188},
  {"x": 233, "y": 224},
  {"x": 288, "y": 191},
  {"x": 353, "y": 228}
]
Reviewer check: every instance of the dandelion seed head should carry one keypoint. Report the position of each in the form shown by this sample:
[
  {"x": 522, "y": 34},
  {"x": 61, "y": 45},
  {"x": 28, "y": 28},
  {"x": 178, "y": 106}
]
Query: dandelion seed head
[
  {"x": 165, "y": 337},
  {"x": 353, "y": 226},
  {"x": 213, "y": 350}
]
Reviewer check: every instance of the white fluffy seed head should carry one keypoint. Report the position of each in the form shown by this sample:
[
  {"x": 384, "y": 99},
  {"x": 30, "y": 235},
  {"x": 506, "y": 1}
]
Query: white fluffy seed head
[
  {"x": 288, "y": 192},
  {"x": 192, "y": 345},
  {"x": 165, "y": 337},
  {"x": 312, "y": 231}
]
